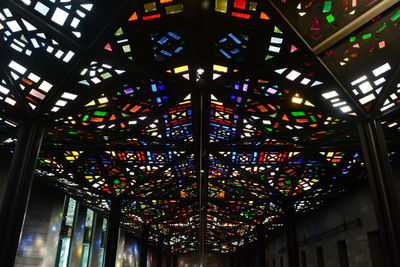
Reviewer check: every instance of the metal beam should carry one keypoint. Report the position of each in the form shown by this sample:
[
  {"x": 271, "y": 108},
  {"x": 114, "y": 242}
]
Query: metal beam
[{"x": 353, "y": 26}]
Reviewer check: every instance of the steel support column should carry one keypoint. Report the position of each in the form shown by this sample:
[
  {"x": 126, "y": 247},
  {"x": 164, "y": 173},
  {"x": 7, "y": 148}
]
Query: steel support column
[
  {"x": 113, "y": 232},
  {"x": 236, "y": 259},
  {"x": 232, "y": 260},
  {"x": 382, "y": 188},
  {"x": 144, "y": 247},
  {"x": 168, "y": 252},
  {"x": 246, "y": 256},
  {"x": 291, "y": 235},
  {"x": 17, "y": 189},
  {"x": 175, "y": 260},
  {"x": 261, "y": 247},
  {"x": 160, "y": 246}
]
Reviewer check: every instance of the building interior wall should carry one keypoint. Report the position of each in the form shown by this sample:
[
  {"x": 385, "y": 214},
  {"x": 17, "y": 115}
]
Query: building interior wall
[{"x": 350, "y": 218}]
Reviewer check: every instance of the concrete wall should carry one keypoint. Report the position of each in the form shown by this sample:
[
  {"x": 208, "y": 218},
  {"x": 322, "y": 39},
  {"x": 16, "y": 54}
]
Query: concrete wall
[
  {"x": 39, "y": 239},
  {"x": 325, "y": 228}
]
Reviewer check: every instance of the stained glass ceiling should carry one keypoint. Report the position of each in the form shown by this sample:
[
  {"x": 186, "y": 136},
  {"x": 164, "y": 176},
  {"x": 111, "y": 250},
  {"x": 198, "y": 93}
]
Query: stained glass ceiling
[{"x": 204, "y": 117}]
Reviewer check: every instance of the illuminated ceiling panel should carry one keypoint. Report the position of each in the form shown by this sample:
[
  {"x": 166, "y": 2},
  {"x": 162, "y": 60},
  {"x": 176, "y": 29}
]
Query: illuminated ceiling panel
[{"x": 203, "y": 120}]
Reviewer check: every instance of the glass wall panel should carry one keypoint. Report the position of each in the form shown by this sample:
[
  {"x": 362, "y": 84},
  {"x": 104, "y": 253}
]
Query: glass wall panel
[
  {"x": 64, "y": 243},
  {"x": 103, "y": 242},
  {"x": 82, "y": 238},
  {"x": 87, "y": 238}
]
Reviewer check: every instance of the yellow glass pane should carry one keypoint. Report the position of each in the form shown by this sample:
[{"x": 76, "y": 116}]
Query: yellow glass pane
[
  {"x": 181, "y": 69},
  {"x": 220, "y": 68},
  {"x": 253, "y": 6},
  {"x": 174, "y": 9},
  {"x": 221, "y": 5},
  {"x": 149, "y": 7}
]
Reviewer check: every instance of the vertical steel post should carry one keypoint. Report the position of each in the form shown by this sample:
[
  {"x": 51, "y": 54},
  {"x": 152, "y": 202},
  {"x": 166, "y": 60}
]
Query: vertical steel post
[
  {"x": 160, "y": 246},
  {"x": 382, "y": 188},
  {"x": 144, "y": 247},
  {"x": 175, "y": 260},
  {"x": 168, "y": 254},
  {"x": 261, "y": 246},
  {"x": 17, "y": 189},
  {"x": 113, "y": 232},
  {"x": 291, "y": 234}
]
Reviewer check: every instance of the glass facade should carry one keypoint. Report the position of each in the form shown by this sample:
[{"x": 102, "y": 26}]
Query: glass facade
[{"x": 87, "y": 236}]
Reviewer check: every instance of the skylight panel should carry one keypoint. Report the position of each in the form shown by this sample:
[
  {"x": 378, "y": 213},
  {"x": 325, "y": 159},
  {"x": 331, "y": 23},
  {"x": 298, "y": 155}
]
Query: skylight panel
[
  {"x": 362, "y": 78},
  {"x": 305, "y": 81},
  {"x": 5, "y": 94},
  {"x": 293, "y": 75},
  {"x": 336, "y": 101},
  {"x": 392, "y": 100},
  {"x": 25, "y": 38},
  {"x": 14, "y": 26},
  {"x": 17, "y": 67},
  {"x": 366, "y": 99},
  {"x": 34, "y": 87},
  {"x": 40, "y": 7},
  {"x": 276, "y": 40},
  {"x": 365, "y": 87},
  {"x": 369, "y": 86},
  {"x": 379, "y": 81},
  {"x": 68, "y": 14},
  {"x": 69, "y": 96},
  {"x": 232, "y": 46},
  {"x": 345, "y": 109},
  {"x": 96, "y": 73},
  {"x": 45, "y": 86},
  {"x": 382, "y": 69},
  {"x": 10, "y": 101}
]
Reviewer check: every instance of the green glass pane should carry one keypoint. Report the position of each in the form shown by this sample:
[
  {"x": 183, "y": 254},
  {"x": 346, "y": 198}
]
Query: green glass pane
[
  {"x": 330, "y": 18},
  {"x": 100, "y": 113},
  {"x": 327, "y": 6},
  {"x": 298, "y": 113}
]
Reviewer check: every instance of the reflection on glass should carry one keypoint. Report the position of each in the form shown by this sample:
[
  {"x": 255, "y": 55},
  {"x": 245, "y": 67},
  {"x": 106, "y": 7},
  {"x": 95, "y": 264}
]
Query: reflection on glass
[
  {"x": 87, "y": 238},
  {"x": 86, "y": 256},
  {"x": 103, "y": 242},
  {"x": 66, "y": 233}
]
